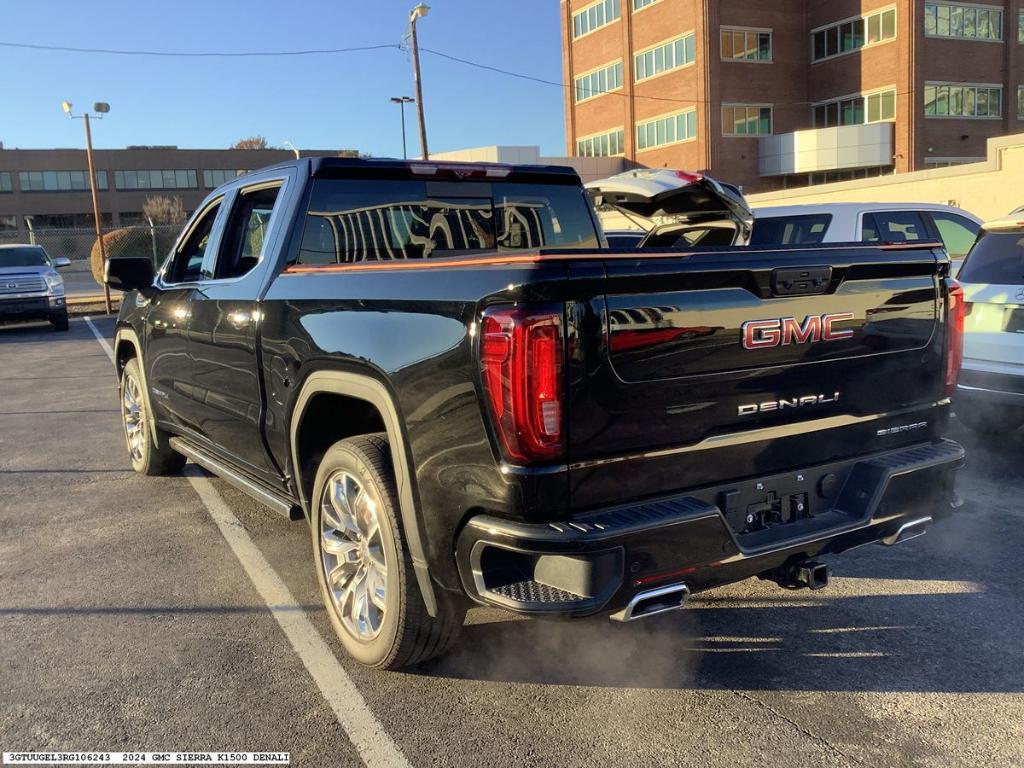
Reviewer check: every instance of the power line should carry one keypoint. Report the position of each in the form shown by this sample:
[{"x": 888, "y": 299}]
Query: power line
[
  {"x": 199, "y": 54},
  {"x": 383, "y": 46}
]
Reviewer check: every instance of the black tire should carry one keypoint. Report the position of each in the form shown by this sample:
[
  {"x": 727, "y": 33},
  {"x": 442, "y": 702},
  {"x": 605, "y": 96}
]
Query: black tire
[
  {"x": 407, "y": 634},
  {"x": 983, "y": 420},
  {"x": 148, "y": 457},
  {"x": 60, "y": 322}
]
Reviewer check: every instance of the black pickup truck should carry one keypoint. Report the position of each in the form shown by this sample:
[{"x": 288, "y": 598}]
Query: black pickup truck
[{"x": 444, "y": 370}]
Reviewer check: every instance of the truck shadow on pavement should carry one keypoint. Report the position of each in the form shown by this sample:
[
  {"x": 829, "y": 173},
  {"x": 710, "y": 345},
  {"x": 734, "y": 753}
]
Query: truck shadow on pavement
[{"x": 920, "y": 643}]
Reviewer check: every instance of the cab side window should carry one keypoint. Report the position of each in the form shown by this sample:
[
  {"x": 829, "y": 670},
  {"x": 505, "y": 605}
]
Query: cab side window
[
  {"x": 246, "y": 232},
  {"x": 186, "y": 267},
  {"x": 894, "y": 227}
]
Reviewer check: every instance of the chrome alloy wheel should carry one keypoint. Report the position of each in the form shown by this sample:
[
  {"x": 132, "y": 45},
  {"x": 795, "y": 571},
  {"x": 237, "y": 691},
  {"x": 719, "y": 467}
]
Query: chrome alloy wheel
[
  {"x": 352, "y": 554},
  {"x": 134, "y": 416}
]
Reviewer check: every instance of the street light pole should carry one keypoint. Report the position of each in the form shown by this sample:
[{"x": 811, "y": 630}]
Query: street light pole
[
  {"x": 420, "y": 10},
  {"x": 401, "y": 101},
  {"x": 101, "y": 109}
]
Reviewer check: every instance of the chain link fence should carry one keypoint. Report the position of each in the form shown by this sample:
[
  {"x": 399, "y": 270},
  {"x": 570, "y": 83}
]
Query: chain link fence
[{"x": 78, "y": 246}]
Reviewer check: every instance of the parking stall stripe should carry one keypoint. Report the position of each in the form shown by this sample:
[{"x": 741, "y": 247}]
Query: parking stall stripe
[
  {"x": 372, "y": 742},
  {"x": 100, "y": 338},
  {"x": 374, "y": 745}
]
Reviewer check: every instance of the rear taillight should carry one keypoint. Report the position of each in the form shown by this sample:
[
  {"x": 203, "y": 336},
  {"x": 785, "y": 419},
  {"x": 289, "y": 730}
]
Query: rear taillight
[
  {"x": 954, "y": 333},
  {"x": 521, "y": 357}
]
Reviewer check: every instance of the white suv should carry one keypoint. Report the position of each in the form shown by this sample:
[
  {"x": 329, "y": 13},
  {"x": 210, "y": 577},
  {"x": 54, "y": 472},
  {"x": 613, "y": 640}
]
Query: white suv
[
  {"x": 990, "y": 395},
  {"x": 867, "y": 222}
]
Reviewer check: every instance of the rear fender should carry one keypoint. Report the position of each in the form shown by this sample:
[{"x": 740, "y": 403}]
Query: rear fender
[{"x": 372, "y": 391}]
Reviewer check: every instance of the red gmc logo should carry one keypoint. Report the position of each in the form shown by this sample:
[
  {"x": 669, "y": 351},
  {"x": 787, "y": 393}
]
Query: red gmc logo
[{"x": 783, "y": 331}]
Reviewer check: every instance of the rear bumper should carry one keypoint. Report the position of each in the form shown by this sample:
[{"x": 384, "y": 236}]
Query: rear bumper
[{"x": 598, "y": 562}]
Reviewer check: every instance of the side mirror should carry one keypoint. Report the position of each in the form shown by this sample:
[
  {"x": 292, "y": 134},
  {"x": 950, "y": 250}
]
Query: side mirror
[
  {"x": 129, "y": 273},
  {"x": 61, "y": 261}
]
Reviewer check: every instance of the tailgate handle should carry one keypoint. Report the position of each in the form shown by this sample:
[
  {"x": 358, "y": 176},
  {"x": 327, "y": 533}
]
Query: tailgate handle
[{"x": 801, "y": 281}]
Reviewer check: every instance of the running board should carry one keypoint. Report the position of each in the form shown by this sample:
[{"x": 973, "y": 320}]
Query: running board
[{"x": 283, "y": 506}]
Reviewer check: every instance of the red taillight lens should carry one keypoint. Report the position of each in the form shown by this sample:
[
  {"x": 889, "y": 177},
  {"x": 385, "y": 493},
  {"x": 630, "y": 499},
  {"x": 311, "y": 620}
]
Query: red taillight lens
[
  {"x": 521, "y": 356},
  {"x": 954, "y": 334}
]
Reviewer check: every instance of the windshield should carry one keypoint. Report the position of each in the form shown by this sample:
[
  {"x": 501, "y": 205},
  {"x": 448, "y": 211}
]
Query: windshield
[
  {"x": 997, "y": 258},
  {"x": 349, "y": 221},
  {"x": 29, "y": 256}
]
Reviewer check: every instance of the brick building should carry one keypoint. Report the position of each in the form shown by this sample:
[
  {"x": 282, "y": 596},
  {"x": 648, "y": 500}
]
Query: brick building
[
  {"x": 49, "y": 188},
  {"x": 784, "y": 93}
]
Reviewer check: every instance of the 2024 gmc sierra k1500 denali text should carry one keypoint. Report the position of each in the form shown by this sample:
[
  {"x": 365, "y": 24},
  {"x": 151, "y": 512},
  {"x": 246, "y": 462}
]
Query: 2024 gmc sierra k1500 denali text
[{"x": 471, "y": 399}]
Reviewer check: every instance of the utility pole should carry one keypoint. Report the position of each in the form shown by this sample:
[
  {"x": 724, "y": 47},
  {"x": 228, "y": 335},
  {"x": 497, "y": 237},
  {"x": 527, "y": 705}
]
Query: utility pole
[
  {"x": 401, "y": 101},
  {"x": 419, "y": 11},
  {"x": 101, "y": 108}
]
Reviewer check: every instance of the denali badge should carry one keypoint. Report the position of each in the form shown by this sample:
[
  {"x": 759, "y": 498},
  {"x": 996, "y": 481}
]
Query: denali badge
[
  {"x": 783, "y": 331},
  {"x": 793, "y": 402}
]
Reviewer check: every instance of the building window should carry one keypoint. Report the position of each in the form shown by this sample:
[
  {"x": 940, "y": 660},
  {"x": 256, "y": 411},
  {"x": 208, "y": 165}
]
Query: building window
[
  {"x": 853, "y": 34},
  {"x": 600, "y": 81},
  {"x": 1020, "y": 102},
  {"x": 5, "y": 181},
  {"x": 155, "y": 179},
  {"x": 217, "y": 177},
  {"x": 603, "y": 144},
  {"x": 594, "y": 17},
  {"x": 639, "y": 5},
  {"x": 856, "y": 110},
  {"x": 59, "y": 181},
  {"x": 746, "y": 120},
  {"x": 746, "y": 45},
  {"x": 666, "y": 57},
  {"x": 948, "y": 162},
  {"x": 955, "y": 100},
  {"x": 1020, "y": 26},
  {"x": 8, "y": 223},
  {"x": 68, "y": 220},
  {"x": 963, "y": 21},
  {"x": 670, "y": 129}
]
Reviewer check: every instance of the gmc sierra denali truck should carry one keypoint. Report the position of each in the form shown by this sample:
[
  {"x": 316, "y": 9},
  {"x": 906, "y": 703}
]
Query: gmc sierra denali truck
[{"x": 471, "y": 399}]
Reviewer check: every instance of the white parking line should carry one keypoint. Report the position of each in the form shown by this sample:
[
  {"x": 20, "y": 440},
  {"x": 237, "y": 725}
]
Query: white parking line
[
  {"x": 100, "y": 338},
  {"x": 373, "y": 744}
]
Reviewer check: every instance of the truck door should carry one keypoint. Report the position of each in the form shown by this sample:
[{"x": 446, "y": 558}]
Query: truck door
[
  {"x": 167, "y": 358},
  {"x": 223, "y": 333}
]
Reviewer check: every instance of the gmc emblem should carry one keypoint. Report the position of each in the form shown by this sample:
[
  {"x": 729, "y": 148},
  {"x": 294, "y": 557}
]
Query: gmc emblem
[{"x": 783, "y": 331}]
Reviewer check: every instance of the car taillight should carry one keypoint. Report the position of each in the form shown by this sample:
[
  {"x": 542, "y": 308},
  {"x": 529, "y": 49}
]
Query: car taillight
[
  {"x": 521, "y": 357},
  {"x": 954, "y": 334}
]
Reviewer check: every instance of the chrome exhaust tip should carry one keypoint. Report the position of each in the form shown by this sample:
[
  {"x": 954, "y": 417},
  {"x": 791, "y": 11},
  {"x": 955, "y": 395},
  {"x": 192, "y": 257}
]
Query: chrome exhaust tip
[
  {"x": 909, "y": 530},
  {"x": 651, "y": 602}
]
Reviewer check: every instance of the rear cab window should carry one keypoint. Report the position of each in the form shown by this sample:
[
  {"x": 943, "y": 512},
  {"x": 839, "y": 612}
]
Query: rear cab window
[
  {"x": 350, "y": 221},
  {"x": 791, "y": 230}
]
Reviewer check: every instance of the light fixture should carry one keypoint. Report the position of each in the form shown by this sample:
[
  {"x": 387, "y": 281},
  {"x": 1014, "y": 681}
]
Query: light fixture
[{"x": 419, "y": 12}]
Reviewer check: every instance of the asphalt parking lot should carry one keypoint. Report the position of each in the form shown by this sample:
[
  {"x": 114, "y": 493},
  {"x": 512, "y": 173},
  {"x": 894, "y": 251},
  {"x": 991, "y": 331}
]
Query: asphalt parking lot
[{"x": 128, "y": 622}]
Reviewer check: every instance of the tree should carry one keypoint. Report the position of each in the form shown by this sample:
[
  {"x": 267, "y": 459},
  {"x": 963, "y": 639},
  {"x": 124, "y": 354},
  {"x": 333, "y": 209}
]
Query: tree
[
  {"x": 164, "y": 210},
  {"x": 252, "y": 142}
]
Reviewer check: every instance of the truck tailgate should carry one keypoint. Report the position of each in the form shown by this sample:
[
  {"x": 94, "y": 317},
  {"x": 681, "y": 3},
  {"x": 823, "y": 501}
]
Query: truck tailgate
[{"x": 735, "y": 361}]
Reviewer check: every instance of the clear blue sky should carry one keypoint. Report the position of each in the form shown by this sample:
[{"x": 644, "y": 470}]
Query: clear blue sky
[{"x": 333, "y": 101}]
